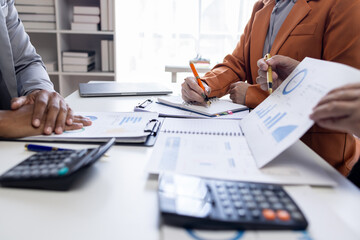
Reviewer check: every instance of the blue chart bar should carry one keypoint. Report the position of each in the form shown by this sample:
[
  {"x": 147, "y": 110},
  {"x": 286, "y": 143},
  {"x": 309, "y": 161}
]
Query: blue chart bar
[
  {"x": 275, "y": 120},
  {"x": 130, "y": 120},
  {"x": 263, "y": 112},
  {"x": 282, "y": 132}
]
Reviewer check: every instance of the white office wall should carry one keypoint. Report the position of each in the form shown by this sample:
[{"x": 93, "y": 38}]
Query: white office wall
[{"x": 155, "y": 33}]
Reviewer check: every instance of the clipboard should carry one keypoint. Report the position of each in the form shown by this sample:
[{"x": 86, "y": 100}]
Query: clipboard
[
  {"x": 151, "y": 105},
  {"x": 154, "y": 127},
  {"x": 129, "y": 128}
]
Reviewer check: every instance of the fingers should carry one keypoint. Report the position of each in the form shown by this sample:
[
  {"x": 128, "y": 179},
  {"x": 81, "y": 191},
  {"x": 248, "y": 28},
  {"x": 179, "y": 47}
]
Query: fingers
[
  {"x": 335, "y": 109},
  {"x": 61, "y": 117},
  {"x": 74, "y": 126},
  {"x": 40, "y": 107},
  {"x": 18, "y": 102},
  {"x": 82, "y": 120},
  {"x": 334, "y": 124},
  {"x": 191, "y": 91},
  {"x": 340, "y": 94},
  {"x": 237, "y": 92},
  {"x": 54, "y": 107},
  {"x": 70, "y": 115}
]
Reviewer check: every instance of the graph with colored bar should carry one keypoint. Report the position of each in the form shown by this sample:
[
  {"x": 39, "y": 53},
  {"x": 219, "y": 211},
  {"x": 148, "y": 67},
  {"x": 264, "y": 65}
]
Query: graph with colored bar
[
  {"x": 271, "y": 119},
  {"x": 130, "y": 120}
]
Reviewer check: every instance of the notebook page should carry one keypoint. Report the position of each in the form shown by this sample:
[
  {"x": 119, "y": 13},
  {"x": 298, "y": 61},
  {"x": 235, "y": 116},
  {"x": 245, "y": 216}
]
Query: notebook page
[
  {"x": 202, "y": 126},
  {"x": 217, "y": 106}
]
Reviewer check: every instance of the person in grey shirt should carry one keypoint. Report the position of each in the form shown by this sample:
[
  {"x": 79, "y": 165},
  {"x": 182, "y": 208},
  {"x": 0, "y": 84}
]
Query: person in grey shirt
[{"x": 28, "y": 102}]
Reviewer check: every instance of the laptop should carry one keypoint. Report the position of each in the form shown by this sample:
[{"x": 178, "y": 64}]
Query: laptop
[{"x": 122, "y": 89}]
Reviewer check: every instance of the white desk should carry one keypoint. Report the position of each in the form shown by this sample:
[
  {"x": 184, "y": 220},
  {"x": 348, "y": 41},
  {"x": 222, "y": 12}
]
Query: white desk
[{"x": 116, "y": 200}]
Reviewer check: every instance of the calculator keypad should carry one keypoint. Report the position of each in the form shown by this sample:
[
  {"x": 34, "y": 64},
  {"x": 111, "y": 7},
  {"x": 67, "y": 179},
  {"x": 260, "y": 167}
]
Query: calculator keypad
[
  {"x": 253, "y": 202},
  {"x": 46, "y": 164}
]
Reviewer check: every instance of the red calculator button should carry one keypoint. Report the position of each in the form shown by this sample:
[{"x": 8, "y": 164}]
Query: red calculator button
[
  {"x": 269, "y": 214},
  {"x": 283, "y": 215}
]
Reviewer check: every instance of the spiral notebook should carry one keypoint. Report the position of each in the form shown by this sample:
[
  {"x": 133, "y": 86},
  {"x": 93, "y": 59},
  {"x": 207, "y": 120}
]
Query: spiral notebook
[
  {"x": 217, "y": 107},
  {"x": 217, "y": 148}
]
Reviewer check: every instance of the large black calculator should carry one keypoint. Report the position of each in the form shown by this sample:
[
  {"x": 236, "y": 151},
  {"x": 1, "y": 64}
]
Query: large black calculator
[
  {"x": 201, "y": 203},
  {"x": 55, "y": 170}
]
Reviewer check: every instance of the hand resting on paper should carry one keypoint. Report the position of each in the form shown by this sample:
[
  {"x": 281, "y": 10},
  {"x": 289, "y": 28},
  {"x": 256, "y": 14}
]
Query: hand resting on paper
[{"x": 18, "y": 123}]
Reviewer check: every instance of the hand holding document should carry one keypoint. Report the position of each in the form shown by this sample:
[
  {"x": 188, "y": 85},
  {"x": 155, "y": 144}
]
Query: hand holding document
[{"x": 282, "y": 118}]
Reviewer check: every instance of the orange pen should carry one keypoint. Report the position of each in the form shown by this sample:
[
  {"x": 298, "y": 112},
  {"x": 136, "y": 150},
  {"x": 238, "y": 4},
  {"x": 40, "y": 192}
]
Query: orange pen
[{"x": 199, "y": 82}]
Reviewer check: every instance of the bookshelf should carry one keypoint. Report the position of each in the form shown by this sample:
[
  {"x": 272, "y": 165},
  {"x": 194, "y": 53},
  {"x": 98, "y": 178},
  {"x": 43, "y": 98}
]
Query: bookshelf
[{"x": 50, "y": 43}]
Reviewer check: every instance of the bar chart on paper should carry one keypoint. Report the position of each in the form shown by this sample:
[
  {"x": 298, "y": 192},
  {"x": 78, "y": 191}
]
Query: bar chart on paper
[
  {"x": 282, "y": 118},
  {"x": 271, "y": 120}
]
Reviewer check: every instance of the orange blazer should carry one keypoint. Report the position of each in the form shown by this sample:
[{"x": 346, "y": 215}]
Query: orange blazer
[{"x": 322, "y": 29}]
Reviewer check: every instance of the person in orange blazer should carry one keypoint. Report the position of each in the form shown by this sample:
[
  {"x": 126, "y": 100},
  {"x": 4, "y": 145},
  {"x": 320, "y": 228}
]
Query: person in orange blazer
[{"x": 322, "y": 29}]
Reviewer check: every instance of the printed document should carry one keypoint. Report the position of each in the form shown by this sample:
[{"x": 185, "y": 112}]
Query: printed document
[
  {"x": 124, "y": 126},
  {"x": 283, "y": 117},
  {"x": 270, "y": 131},
  {"x": 217, "y": 149}
]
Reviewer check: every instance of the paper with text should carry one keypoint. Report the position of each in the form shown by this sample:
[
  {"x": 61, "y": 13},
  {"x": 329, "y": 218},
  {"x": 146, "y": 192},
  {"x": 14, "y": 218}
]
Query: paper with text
[
  {"x": 217, "y": 149},
  {"x": 283, "y": 117},
  {"x": 124, "y": 126}
]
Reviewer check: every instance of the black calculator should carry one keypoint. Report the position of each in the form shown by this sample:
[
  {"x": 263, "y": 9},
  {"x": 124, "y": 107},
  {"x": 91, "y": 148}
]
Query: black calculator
[
  {"x": 54, "y": 170},
  {"x": 202, "y": 203}
]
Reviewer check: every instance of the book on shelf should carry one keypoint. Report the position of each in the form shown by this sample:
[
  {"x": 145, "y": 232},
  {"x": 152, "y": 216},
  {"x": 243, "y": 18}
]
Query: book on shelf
[
  {"x": 111, "y": 55},
  {"x": 87, "y": 10},
  {"x": 110, "y": 15},
  {"x": 35, "y": 2},
  {"x": 25, "y": 17},
  {"x": 51, "y": 66},
  {"x": 35, "y": 9},
  {"x": 84, "y": 26},
  {"x": 104, "y": 55},
  {"x": 107, "y": 56},
  {"x": 40, "y": 25},
  {"x": 78, "y": 53},
  {"x": 78, "y": 68},
  {"x": 104, "y": 15},
  {"x": 86, "y": 19},
  {"x": 79, "y": 60}
]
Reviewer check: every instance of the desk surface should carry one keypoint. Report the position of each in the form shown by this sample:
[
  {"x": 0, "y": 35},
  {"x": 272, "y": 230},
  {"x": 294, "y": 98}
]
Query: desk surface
[{"x": 115, "y": 199}]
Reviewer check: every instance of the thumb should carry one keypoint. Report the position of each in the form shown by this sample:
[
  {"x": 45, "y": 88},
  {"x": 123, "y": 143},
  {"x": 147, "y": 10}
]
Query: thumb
[{"x": 18, "y": 102}]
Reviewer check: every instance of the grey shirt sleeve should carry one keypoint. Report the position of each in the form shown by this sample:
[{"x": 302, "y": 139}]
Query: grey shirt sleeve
[{"x": 29, "y": 68}]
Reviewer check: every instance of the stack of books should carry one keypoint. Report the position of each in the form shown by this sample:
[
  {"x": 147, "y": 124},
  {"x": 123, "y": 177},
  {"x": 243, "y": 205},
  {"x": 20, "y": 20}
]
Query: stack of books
[
  {"x": 78, "y": 61},
  {"x": 37, "y": 14},
  {"x": 107, "y": 55},
  {"x": 86, "y": 18}
]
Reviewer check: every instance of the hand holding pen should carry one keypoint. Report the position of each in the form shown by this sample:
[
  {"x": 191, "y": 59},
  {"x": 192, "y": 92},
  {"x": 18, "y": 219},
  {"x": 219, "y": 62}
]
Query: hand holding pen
[
  {"x": 269, "y": 75},
  {"x": 281, "y": 67},
  {"x": 194, "y": 90}
]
